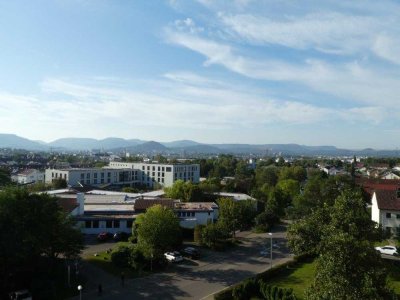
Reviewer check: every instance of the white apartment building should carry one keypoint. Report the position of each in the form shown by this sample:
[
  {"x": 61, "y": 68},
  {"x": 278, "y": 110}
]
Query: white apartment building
[
  {"x": 163, "y": 174},
  {"x": 93, "y": 176},
  {"x": 124, "y": 173},
  {"x": 29, "y": 176}
]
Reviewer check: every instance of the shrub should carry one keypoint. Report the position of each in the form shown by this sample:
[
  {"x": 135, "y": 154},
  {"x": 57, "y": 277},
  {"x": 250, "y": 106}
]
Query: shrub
[{"x": 121, "y": 256}]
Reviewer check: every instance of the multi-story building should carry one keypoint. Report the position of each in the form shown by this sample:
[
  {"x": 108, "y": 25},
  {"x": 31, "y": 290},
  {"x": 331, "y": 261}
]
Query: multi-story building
[
  {"x": 132, "y": 174},
  {"x": 93, "y": 176},
  {"x": 164, "y": 174},
  {"x": 28, "y": 176}
]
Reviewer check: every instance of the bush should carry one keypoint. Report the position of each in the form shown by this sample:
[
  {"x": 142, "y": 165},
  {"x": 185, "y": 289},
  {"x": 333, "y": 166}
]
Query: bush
[
  {"x": 198, "y": 229},
  {"x": 121, "y": 256}
]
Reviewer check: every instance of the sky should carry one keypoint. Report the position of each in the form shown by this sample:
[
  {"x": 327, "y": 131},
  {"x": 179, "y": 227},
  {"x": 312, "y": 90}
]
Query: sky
[{"x": 238, "y": 71}]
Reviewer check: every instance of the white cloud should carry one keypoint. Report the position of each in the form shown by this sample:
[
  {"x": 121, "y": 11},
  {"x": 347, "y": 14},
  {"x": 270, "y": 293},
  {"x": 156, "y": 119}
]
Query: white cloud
[
  {"x": 388, "y": 47},
  {"x": 326, "y": 32}
]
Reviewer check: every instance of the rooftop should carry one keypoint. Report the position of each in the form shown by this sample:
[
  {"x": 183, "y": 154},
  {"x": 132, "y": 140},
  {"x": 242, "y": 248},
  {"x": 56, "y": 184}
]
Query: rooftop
[
  {"x": 387, "y": 199},
  {"x": 199, "y": 206}
]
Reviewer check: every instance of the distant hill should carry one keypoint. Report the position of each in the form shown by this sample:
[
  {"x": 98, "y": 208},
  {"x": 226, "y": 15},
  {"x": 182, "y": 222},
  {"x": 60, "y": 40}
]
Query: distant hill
[
  {"x": 89, "y": 144},
  {"x": 187, "y": 147},
  {"x": 17, "y": 142},
  {"x": 148, "y": 147},
  {"x": 181, "y": 144}
]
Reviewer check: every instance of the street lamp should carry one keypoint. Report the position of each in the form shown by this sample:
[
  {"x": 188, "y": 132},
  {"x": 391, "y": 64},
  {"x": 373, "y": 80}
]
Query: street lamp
[
  {"x": 80, "y": 291},
  {"x": 270, "y": 234}
]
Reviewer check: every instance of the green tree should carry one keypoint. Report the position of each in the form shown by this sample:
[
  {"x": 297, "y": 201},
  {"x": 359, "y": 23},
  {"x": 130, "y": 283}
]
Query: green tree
[
  {"x": 33, "y": 229},
  {"x": 176, "y": 191},
  {"x": 5, "y": 178},
  {"x": 59, "y": 183},
  {"x": 266, "y": 175},
  {"x": 348, "y": 268},
  {"x": 229, "y": 214},
  {"x": 158, "y": 231}
]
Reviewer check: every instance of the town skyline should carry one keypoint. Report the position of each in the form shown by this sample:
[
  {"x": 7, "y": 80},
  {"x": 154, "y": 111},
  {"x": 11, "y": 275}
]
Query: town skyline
[{"x": 250, "y": 72}]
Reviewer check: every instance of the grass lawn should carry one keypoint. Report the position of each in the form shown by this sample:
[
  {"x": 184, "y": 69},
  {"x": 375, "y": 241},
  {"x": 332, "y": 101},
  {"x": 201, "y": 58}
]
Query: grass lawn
[
  {"x": 298, "y": 278},
  {"x": 103, "y": 261},
  {"x": 388, "y": 242},
  {"x": 301, "y": 277}
]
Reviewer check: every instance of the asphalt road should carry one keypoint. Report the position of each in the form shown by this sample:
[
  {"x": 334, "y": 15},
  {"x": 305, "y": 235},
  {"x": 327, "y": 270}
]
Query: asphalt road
[{"x": 195, "y": 279}]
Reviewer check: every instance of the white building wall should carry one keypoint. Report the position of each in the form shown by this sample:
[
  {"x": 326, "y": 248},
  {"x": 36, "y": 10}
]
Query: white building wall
[
  {"x": 200, "y": 218},
  {"x": 164, "y": 174},
  {"x": 103, "y": 228},
  {"x": 375, "y": 213}
]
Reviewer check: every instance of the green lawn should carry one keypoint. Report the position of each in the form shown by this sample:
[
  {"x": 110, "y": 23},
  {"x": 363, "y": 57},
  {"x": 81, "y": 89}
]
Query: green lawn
[
  {"x": 103, "y": 261},
  {"x": 300, "y": 277}
]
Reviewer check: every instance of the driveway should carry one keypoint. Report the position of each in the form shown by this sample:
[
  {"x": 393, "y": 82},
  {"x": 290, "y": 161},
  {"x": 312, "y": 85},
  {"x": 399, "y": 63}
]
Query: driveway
[{"x": 196, "y": 279}]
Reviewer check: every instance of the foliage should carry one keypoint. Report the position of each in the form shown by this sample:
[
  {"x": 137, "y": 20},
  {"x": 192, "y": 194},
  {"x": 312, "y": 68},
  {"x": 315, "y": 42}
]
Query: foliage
[
  {"x": 186, "y": 191},
  {"x": 266, "y": 175},
  {"x": 33, "y": 227},
  {"x": 197, "y": 234},
  {"x": 158, "y": 231},
  {"x": 212, "y": 234},
  {"x": 130, "y": 190},
  {"x": 342, "y": 234},
  {"x": 5, "y": 177},
  {"x": 59, "y": 183},
  {"x": 236, "y": 215},
  {"x": 296, "y": 173},
  {"x": 265, "y": 221},
  {"x": 120, "y": 256}
]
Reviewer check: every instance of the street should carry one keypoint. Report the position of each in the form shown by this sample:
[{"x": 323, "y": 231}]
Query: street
[{"x": 194, "y": 279}]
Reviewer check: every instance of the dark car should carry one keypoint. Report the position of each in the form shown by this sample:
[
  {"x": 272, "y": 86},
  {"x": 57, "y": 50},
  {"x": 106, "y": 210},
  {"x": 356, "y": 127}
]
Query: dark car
[
  {"x": 191, "y": 252},
  {"x": 104, "y": 236},
  {"x": 121, "y": 236}
]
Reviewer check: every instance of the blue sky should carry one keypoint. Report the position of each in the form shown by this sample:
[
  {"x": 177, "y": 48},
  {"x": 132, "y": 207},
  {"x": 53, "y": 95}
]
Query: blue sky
[{"x": 240, "y": 71}]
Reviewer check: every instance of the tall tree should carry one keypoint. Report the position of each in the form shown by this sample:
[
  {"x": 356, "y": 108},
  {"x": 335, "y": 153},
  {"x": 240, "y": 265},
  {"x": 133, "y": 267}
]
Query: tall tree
[{"x": 158, "y": 231}]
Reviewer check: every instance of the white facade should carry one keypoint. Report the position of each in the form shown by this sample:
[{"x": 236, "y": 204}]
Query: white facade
[
  {"x": 389, "y": 219},
  {"x": 191, "y": 214},
  {"x": 93, "y": 176},
  {"x": 163, "y": 174},
  {"x": 29, "y": 176}
]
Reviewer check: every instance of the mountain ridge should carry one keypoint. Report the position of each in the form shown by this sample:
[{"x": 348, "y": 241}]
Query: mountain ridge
[{"x": 181, "y": 147}]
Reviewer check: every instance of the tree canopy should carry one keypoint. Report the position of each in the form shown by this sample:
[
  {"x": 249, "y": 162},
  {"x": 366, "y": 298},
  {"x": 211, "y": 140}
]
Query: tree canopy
[
  {"x": 33, "y": 227},
  {"x": 158, "y": 231}
]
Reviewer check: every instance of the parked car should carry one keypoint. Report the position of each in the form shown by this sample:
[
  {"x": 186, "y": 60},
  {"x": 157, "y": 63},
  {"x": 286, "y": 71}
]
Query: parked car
[
  {"x": 20, "y": 295},
  {"x": 104, "y": 236},
  {"x": 173, "y": 256},
  {"x": 120, "y": 236},
  {"x": 191, "y": 252},
  {"x": 389, "y": 250}
]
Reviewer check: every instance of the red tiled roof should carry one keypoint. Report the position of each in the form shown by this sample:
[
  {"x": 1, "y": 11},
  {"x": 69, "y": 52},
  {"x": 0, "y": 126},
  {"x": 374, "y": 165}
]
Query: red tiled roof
[
  {"x": 369, "y": 185},
  {"x": 387, "y": 199},
  {"x": 67, "y": 204},
  {"x": 142, "y": 204}
]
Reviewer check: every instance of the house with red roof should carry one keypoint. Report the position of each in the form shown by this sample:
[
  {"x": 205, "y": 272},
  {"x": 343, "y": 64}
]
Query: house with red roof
[{"x": 385, "y": 208}]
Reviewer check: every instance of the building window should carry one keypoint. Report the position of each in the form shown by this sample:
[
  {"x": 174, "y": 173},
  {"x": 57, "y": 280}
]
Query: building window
[
  {"x": 154, "y": 168},
  {"x": 102, "y": 175},
  {"x": 88, "y": 224},
  {"x": 95, "y": 224},
  {"x": 168, "y": 169},
  {"x": 162, "y": 180},
  {"x": 153, "y": 174},
  {"x": 398, "y": 216},
  {"x": 209, "y": 213},
  {"x": 87, "y": 175},
  {"x": 116, "y": 224},
  {"x": 388, "y": 215},
  {"x": 129, "y": 223},
  {"x": 108, "y": 174},
  {"x": 95, "y": 181},
  {"x": 102, "y": 180},
  {"x": 193, "y": 214},
  {"x": 108, "y": 224},
  {"x": 87, "y": 181},
  {"x": 162, "y": 169}
]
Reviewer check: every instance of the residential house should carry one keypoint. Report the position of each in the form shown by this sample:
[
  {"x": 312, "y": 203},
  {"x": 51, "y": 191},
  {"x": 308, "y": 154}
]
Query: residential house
[
  {"x": 191, "y": 214},
  {"x": 28, "y": 176},
  {"x": 385, "y": 209}
]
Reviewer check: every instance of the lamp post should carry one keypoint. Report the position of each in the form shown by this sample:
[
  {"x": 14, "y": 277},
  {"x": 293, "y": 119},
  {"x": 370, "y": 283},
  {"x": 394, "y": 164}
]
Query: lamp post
[
  {"x": 80, "y": 291},
  {"x": 270, "y": 234}
]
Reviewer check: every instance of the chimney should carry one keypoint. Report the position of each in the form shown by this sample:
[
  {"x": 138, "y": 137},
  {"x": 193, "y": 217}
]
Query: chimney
[{"x": 80, "y": 198}]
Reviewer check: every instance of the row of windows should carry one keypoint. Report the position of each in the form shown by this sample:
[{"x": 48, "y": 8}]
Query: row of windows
[
  {"x": 61, "y": 175},
  {"x": 389, "y": 215},
  {"x": 186, "y": 214},
  {"x": 109, "y": 224}
]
